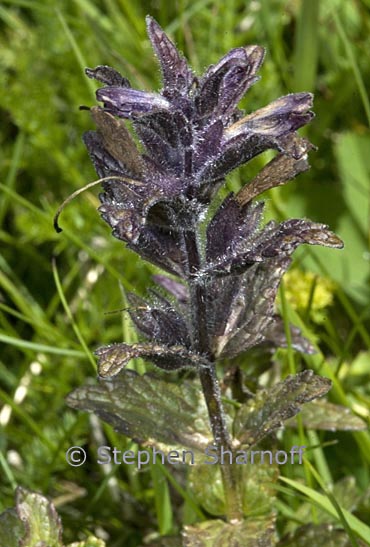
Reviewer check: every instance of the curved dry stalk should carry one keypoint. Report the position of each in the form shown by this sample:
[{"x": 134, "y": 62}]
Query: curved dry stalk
[{"x": 128, "y": 180}]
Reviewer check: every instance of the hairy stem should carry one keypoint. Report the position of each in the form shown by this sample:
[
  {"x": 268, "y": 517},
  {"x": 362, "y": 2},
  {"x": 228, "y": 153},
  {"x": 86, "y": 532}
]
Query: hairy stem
[
  {"x": 229, "y": 471},
  {"x": 209, "y": 381}
]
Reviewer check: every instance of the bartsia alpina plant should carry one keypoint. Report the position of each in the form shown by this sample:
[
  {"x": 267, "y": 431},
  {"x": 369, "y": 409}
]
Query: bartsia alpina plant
[
  {"x": 192, "y": 135},
  {"x": 219, "y": 300}
]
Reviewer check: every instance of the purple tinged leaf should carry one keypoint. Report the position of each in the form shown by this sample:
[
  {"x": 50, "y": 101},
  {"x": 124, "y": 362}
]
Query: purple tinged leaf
[
  {"x": 227, "y": 294},
  {"x": 267, "y": 411},
  {"x": 208, "y": 144},
  {"x": 113, "y": 358},
  {"x": 105, "y": 165},
  {"x": 123, "y": 217},
  {"x": 273, "y": 241},
  {"x": 130, "y": 103},
  {"x": 169, "y": 156},
  {"x": 131, "y": 205},
  {"x": 162, "y": 325},
  {"x": 225, "y": 225},
  {"x": 249, "y": 321},
  {"x": 169, "y": 125},
  {"x": 12, "y": 530},
  {"x": 107, "y": 75},
  {"x": 231, "y": 225},
  {"x": 167, "y": 139},
  {"x": 247, "y": 304},
  {"x": 177, "y": 76},
  {"x": 285, "y": 238},
  {"x": 162, "y": 248}
]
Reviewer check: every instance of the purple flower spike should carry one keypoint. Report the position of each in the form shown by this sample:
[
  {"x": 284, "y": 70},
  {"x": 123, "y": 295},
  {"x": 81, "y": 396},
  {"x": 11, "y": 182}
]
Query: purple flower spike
[{"x": 156, "y": 194}]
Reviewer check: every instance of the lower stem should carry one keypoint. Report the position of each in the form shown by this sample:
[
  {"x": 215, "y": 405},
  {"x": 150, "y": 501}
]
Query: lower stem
[
  {"x": 210, "y": 385},
  {"x": 229, "y": 472}
]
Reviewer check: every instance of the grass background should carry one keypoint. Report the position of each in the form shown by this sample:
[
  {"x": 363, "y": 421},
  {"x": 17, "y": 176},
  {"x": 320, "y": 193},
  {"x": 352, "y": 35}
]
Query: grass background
[{"x": 46, "y": 333}]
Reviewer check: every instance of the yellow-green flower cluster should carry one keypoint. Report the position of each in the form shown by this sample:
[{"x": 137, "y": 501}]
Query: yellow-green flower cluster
[{"x": 308, "y": 291}]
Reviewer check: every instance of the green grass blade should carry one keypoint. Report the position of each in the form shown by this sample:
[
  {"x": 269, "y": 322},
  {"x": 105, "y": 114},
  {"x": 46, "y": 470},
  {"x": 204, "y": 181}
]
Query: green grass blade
[
  {"x": 162, "y": 500},
  {"x": 306, "y": 46},
  {"x": 12, "y": 174},
  {"x": 41, "y": 348},
  {"x": 70, "y": 316},
  {"x": 354, "y": 65},
  {"x": 76, "y": 49},
  {"x": 7, "y": 471},
  {"x": 356, "y": 525}
]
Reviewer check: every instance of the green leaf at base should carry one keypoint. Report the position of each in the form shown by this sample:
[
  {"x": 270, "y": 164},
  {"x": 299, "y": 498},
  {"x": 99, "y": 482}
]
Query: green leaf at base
[
  {"x": 35, "y": 523},
  {"x": 40, "y": 519},
  {"x": 217, "y": 533},
  {"x": 11, "y": 529}
]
